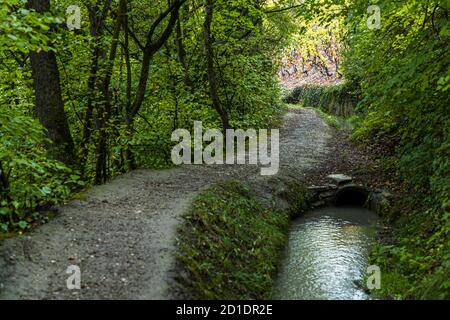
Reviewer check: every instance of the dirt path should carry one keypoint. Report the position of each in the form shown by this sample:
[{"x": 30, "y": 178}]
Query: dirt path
[{"x": 122, "y": 234}]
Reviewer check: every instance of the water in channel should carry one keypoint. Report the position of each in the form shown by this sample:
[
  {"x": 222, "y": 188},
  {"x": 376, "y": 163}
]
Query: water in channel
[{"x": 327, "y": 255}]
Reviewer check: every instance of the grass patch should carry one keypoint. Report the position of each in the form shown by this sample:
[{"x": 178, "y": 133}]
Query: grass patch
[
  {"x": 339, "y": 100},
  {"x": 230, "y": 243},
  {"x": 332, "y": 120}
]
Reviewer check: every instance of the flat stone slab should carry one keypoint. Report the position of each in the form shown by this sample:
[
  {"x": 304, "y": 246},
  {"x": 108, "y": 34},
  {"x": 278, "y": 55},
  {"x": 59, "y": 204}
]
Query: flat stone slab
[
  {"x": 323, "y": 188},
  {"x": 340, "y": 178}
]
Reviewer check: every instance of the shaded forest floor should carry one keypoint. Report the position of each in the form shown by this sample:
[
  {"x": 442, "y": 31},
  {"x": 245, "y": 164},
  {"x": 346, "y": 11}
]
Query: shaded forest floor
[{"x": 122, "y": 234}]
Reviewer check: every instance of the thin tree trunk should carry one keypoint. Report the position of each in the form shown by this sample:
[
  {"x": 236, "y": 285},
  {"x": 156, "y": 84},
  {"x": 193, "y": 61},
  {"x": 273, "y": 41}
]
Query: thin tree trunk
[
  {"x": 212, "y": 77},
  {"x": 150, "y": 49},
  {"x": 129, "y": 156},
  {"x": 181, "y": 52},
  {"x": 105, "y": 107},
  {"x": 97, "y": 23}
]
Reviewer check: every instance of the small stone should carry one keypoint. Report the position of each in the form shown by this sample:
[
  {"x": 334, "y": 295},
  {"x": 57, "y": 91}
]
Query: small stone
[
  {"x": 317, "y": 188},
  {"x": 325, "y": 195},
  {"x": 318, "y": 204},
  {"x": 340, "y": 179}
]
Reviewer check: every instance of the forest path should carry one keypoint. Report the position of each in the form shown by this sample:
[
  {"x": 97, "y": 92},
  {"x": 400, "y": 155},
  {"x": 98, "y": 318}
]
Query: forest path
[{"x": 122, "y": 234}]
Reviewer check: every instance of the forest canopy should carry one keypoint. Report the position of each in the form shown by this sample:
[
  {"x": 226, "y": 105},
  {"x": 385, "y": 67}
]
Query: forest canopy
[{"x": 91, "y": 89}]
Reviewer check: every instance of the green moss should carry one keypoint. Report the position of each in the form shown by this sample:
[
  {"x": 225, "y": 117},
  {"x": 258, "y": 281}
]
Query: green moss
[
  {"x": 298, "y": 198},
  {"x": 230, "y": 243},
  {"x": 339, "y": 100},
  {"x": 7, "y": 235},
  {"x": 394, "y": 286},
  {"x": 332, "y": 120},
  {"x": 79, "y": 196}
]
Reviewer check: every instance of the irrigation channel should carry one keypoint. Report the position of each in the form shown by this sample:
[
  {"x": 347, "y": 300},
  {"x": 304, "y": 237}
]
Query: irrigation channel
[{"x": 327, "y": 255}]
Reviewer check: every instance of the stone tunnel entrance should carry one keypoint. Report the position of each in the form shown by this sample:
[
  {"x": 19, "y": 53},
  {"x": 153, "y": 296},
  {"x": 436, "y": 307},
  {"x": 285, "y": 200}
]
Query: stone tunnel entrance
[
  {"x": 351, "y": 195},
  {"x": 343, "y": 192}
]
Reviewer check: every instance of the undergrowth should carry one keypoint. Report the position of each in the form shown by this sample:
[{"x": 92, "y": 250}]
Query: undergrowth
[
  {"x": 339, "y": 100},
  {"x": 230, "y": 243}
]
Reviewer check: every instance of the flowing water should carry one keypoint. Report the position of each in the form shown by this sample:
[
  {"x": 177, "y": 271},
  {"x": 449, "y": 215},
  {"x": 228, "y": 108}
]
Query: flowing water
[{"x": 327, "y": 255}]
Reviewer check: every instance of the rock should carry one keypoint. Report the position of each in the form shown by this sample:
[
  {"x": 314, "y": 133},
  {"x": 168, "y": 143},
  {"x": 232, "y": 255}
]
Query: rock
[
  {"x": 386, "y": 194},
  {"x": 340, "y": 179},
  {"x": 324, "y": 188},
  {"x": 327, "y": 195},
  {"x": 318, "y": 204},
  {"x": 379, "y": 202}
]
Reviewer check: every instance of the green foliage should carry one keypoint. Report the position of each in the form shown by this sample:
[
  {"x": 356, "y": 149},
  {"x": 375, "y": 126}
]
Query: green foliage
[
  {"x": 400, "y": 75},
  {"x": 402, "y": 70},
  {"x": 245, "y": 55},
  {"x": 29, "y": 180},
  {"x": 339, "y": 100},
  {"x": 246, "y": 45},
  {"x": 230, "y": 244},
  {"x": 21, "y": 30},
  {"x": 417, "y": 264},
  {"x": 298, "y": 197}
]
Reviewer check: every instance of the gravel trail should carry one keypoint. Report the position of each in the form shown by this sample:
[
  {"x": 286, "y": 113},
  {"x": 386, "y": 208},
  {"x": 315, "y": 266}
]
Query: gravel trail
[{"x": 122, "y": 234}]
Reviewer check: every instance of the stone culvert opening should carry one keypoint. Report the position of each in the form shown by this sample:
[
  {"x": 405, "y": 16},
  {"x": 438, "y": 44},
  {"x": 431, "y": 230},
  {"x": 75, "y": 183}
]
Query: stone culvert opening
[{"x": 351, "y": 196}]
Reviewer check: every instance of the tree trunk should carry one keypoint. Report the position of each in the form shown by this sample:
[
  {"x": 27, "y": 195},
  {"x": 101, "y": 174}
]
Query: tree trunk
[
  {"x": 212, "y": 77},
  {"x": 105, "y": 107},
  {"x": 97, "y": 23},
  {"x": 49, "y": 102},
  {"x": 149, "y": 50},
  {"x": 181, "y": 52},
  {"x": 129, "y": 156}
]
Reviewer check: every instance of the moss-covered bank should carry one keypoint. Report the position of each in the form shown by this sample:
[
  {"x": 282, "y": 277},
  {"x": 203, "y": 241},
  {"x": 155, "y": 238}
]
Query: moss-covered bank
[
  {"x": 232, "y": 238},
  {"x": 339, "y": 100},
  {"x": 414, "y": 254}
]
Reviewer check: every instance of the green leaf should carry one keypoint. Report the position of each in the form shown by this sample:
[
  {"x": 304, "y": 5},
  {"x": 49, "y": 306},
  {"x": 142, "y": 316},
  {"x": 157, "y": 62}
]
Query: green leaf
[
  {"x": 46, "y": 191},
  {"x": 23, "y": 224}
]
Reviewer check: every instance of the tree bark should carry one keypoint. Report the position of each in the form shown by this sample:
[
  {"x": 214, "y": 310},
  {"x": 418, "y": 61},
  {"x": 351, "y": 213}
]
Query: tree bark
[{"x": 49, "y": 102}]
